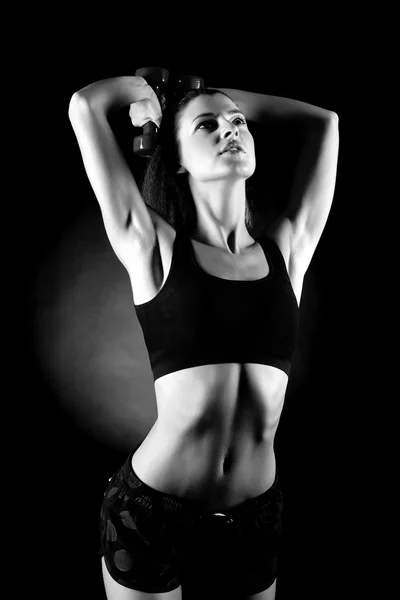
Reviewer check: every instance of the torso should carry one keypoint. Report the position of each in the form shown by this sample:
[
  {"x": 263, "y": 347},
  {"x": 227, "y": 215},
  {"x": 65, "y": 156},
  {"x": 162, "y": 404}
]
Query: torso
[{"x": 214, "y": 434}]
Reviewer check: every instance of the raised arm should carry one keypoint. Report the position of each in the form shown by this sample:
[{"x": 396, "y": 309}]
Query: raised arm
[
  {"x": 127, "y": 219},
  {"x": 300, "y": 227}
]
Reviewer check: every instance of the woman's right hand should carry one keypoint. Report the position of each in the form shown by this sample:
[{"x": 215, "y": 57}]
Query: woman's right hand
[{"x": 146, "y": 109}]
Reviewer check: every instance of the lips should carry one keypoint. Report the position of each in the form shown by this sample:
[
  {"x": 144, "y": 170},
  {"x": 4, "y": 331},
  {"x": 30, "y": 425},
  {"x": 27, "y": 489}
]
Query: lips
[{"x": 231, "y": 145}]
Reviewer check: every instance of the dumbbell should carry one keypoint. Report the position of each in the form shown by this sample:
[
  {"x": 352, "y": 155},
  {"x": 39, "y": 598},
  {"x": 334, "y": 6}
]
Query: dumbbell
[
  {"x": 157, "y": 78},
  {"x": 161, "y": 82}
]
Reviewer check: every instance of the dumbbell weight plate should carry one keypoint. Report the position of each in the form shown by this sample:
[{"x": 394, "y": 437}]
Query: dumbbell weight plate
[
  {"x": 157, "y": 78},
  {"x": 188, "y": 82},
  {"x": 143, "y": 145}
]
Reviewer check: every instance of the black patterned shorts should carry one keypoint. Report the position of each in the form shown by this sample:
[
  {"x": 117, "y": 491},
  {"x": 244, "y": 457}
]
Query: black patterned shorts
[{"x": 155, "y": 542}]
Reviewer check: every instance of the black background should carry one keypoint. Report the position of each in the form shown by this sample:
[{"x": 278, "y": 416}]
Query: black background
[{"x": 65, "y": 470}]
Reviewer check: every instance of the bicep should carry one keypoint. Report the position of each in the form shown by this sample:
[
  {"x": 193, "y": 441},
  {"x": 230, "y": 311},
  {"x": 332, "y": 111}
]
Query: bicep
[{"x": 123, "y": 209}]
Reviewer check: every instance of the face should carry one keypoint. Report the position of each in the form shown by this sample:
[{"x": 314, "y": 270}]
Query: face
[{"x": 203, "y": 138}]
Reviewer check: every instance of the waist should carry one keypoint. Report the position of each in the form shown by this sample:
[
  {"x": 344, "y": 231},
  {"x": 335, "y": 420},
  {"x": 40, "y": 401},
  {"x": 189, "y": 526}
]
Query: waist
[
  {"x": 213, "y": 438},
  {"x": 205, "y": 468}
]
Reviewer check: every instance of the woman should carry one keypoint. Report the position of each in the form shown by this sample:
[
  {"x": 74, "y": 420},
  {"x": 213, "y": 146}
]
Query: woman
[{"x": 219, "y": 313}]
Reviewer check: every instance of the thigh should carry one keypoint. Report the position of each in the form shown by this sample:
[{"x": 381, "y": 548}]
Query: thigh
[{"x": 115, "y": 591}]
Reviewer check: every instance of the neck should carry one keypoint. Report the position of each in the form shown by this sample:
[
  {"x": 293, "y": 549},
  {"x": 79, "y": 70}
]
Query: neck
[{"x": 221, "y": 211}]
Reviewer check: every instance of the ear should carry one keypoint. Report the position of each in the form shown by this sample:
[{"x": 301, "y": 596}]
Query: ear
[{"x": 181, "y": 170}]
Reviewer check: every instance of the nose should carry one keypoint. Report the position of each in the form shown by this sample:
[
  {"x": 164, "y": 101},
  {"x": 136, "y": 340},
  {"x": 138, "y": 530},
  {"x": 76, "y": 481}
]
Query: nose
[{"x": 230, "y": 131}]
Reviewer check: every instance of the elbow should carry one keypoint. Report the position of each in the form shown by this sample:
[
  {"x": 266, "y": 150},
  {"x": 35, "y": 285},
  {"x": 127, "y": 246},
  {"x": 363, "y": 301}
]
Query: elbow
[
  {"x": 76, "y": 104},
  {"x": 333, "y": 118},
  {"x": 330, "y": 122},
  {"x": 329, "y": 117},
  {"x": 322, "y": 121},
  {"x": 333, "y": 124}
]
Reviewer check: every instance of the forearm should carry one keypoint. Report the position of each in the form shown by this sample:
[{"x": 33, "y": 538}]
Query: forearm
[
  {"x": 263, "y": 107},
  {"x": 112, "y": 94}
]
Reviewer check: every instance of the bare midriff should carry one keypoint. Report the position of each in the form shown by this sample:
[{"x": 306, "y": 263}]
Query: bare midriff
[{"x": 213, "y": 439}]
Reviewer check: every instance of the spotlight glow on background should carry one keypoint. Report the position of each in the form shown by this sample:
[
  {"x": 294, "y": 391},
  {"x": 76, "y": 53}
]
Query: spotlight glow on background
[{"x": 88, "y": 339}]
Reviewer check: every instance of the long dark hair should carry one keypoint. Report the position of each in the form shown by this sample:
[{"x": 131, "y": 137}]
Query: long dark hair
[{"x": 166, "y": 192}]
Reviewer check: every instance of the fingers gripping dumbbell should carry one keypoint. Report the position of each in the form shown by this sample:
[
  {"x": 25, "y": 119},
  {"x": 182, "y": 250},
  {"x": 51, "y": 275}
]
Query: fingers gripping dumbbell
[{"x": 157, "y": 79}]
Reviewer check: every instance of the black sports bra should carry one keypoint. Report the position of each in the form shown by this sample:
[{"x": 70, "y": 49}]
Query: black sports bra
[{"x": 200, "y": 319}]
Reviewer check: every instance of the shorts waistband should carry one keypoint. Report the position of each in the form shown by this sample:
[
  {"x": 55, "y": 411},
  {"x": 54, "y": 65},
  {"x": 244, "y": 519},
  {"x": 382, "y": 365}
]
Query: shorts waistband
[{"x": 177, "y": 505}]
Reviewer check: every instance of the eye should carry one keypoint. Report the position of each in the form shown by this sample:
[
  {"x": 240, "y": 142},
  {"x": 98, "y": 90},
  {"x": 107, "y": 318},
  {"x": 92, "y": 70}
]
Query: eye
[
  {"x": 205, "y": 123},
  {"x": 242, "y": 121}
]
